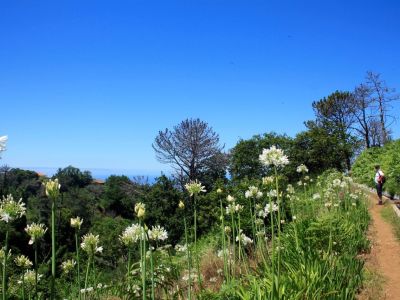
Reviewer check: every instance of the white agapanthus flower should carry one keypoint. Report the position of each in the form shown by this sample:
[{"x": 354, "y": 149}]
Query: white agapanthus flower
[
  {"x": 253, "y": 192},
  {"x": 273, "y": 157},
  {"x": 52, "y": 188},
  {"x": 181, "y": 248},
  {"x": 270, "y": 207},
  {"x": 132, "y": 234},
  {"x": 35, "y": 231},
  {"x": 158, "y": 233},
  {"x": 68, "y": 266},
  {"x": 10, "y": 209},
  {"x": 3, "y": 141},
  {"x": 23, "y": 262},
  {"x": 302, "y": 169},
  {"x": 272, "y": 194},
  {"x": 30, "y": 278},
  {"x": 316, "y": 196},
  {"x": 230, "y": 198},
  {"x": 238, "y": 208},
  {"x": 195, "y": 188},
  {"x": 140, "y": 209},
  {"x": 243, "y": 239},
  {"x": 336, "y": 182},
  {"x": 90, "y": 244},
  {"x": 76, "y": 223},
  {"x": 268, "y": 180},
  {"x": 230, "y": 209},
  {"x": 290, "y": 189}
]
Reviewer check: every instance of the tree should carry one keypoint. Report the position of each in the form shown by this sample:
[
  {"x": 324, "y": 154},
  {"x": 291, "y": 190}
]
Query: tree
[
  {"x": 362, "y": 104},
  {"x": 336, "y": 114},
  {"x": 382, "y": 98},
  {"x": 71, "y": 177},
  {"x": 188, "y": 148}
]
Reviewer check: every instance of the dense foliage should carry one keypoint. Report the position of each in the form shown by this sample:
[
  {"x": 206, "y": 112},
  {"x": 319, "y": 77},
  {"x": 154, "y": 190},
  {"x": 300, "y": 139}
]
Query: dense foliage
[{"x": 388, "y": 157}]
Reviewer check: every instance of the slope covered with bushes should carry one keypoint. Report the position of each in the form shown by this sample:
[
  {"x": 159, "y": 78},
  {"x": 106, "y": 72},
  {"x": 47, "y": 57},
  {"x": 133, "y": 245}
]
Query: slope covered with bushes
[{"x": 388, "y": 157}]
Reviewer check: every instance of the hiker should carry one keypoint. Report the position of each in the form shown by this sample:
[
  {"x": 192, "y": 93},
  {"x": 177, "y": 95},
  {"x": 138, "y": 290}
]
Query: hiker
[{"x": 379, "y": 181}]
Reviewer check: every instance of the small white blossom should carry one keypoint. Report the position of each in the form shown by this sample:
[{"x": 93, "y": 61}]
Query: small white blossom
[
  {"x": 10, "y": 209},
  {"x": 90, "y": 244},
  {"x": 253, "y": 192},
  {"x": 35, "y": 231},
  {"x": 158, "y": 233},
  {"x": 302, "y": 169},
  {"x": 76, "y": 223}
]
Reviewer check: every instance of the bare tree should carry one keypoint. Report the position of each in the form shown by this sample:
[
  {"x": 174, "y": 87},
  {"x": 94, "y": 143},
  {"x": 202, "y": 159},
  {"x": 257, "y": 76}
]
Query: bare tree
[
  {"x": 382, "y": 98},
  {"x": 361, "y": 103},
  {"x": 188, "y": 147}
]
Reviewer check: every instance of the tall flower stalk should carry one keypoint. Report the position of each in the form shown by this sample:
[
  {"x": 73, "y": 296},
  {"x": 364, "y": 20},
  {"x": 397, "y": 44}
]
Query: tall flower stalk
[
  {"x": 140, "y": 210},
  {"x": 9, "y": 211},
  {"x": 223, "y": 239},
  {"x": 36, "y": 232},
  {"x": 195, "y": 188},
  {"x": 76, "y": 223},
  {"x": 90, "y": 244},
  {"x": 189, "y": 265},
  {"x": 52, "y": 188},
  {"x": 277, "y": 159}
]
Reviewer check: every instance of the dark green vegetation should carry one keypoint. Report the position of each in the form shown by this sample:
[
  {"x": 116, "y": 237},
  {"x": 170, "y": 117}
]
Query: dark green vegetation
[{"x": 388, "y": 157}]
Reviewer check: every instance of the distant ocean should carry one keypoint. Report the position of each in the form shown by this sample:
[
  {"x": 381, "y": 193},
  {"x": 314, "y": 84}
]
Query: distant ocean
[{"x": 103, "y": 174}]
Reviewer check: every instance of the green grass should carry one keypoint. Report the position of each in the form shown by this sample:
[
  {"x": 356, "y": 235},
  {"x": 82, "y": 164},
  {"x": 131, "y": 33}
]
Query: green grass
[{"x": 391, "y": 217}]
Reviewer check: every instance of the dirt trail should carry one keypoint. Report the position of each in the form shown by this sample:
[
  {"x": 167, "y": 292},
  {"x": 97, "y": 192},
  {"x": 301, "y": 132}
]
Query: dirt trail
[{"x": 385, "y": 253}]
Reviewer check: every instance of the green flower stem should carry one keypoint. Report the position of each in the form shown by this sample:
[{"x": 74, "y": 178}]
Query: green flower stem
[
  {"x": 129, "y": 263},
  {"x": 272, "y": 236},
  {"x": 188, "y": 259},
  {"x": 23, "y": 286},
  {"x": 53, "y": 250},
  {"x": 279, "y": 225},
  {"x": 233, "y": 243},
  {"x": 78, "y": 264},
  {"x": 195, "y": 243},
  {"x": 36, "y": 268},
  {"x": 238, "y": 232},
  {"x": 87, "y": 275},
  {"x": 223, "y": 238},
  {"x": 253, "y": 219},
  {"x": 143, "y": 262},
  {"x": 152, "y": 272},
  {"x": 4, "y": 283}
]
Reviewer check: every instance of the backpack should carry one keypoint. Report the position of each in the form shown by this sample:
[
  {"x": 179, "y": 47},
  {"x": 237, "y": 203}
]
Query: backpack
[{"x": 382, "y": 179}]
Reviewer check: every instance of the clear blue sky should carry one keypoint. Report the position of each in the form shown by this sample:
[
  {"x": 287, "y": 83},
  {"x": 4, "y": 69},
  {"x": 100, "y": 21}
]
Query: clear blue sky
[{"x": 90, "y": 83}]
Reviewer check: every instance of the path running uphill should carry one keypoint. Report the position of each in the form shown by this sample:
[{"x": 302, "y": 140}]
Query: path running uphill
[{"x": 385, "y": 253}]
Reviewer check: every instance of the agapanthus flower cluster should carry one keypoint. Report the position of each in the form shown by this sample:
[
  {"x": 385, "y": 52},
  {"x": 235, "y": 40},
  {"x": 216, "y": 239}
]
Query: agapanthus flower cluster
[
  {"x": 140, "y": 209},
  {"x": 270, "y": 207},
  {"x": 158, "y": 233},
  {"x": 132, "y": 234},
  {"x": 68, "y": 266},
  {"x": 243, "y": 239},
  {"x": 23, "y": 262},
  {"x": 273, "y": 157},
  {"x": 316, "y": 196},
  {"x": 76, "y": 223},
  {"x": 30, "y": 278},
  {"x": 302, "y": 169},
  {"x": 90, "y": 244},
  {"x": 290, "y": 189},
  {"x": 3, "y": 254},
  {"x": 230, "y": 198},
  {"x": 35, "y": 231},
  {"x": 253, "y": 192},
  {"x": 3, "y": 140},
  {"x": 268, "y": 180},
  {"x": 272, "y": 194},
  {"x": 195, "y": 188},
  {"x": 52, "y": 188},
  {"x": 11, "y": 209},
  {"x": 233, "y": 208},
  {"x": 181, "y": 248}
]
